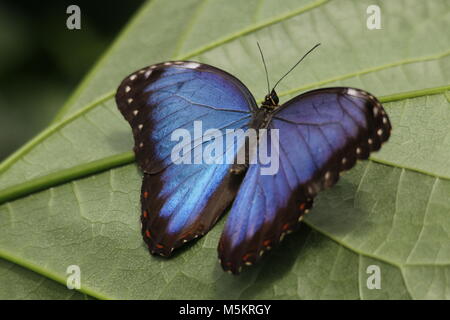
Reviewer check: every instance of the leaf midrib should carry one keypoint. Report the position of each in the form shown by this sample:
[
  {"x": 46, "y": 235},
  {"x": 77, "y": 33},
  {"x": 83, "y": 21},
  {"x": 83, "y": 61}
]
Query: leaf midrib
[
  {"x": 107, "y": 163},
  {"x": 126, "y": 156}
]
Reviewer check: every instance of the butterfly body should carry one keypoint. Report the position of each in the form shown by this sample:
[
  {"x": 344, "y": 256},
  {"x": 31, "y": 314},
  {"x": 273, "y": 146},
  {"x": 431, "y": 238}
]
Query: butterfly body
[{"x": 321, "y": 133}]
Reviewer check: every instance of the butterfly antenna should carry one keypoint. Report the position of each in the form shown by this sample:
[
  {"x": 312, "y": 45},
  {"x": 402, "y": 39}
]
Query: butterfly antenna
[
  {"x": 304, "y": 56},
  {"x": 265, "y": 68}
]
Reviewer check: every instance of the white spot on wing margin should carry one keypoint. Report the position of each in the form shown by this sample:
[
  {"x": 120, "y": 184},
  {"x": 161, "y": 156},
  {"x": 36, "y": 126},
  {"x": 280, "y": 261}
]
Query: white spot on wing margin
[{"x": 191, "y": 65}]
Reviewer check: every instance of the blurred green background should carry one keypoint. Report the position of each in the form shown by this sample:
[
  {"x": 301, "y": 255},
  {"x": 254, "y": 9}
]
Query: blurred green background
[{"x": 41, "y": 61}]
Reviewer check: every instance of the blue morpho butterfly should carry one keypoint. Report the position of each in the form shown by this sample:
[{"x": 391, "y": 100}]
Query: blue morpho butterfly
[{"x": 321, "y": 133}]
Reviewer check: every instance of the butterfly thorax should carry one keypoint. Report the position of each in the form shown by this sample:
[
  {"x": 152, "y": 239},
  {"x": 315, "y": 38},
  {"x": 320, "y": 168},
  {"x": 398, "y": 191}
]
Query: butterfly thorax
[
  {"x": 260, "y": 120},
  {"x": 270, "y": 101},
  {"x": 262, "y": 117}
]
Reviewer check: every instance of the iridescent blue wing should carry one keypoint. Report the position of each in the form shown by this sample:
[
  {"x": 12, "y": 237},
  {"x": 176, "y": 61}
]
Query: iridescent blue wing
[
  {"x": 181, "y": 201},
  {"x": 321, "y": 133}
]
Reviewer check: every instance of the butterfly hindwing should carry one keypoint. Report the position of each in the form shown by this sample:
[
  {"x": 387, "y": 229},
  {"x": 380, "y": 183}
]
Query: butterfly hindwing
[
  {"x": 182, "y": 201},
  {"x": 321, "y": 133},
  {"x": 179, "y": 205}
]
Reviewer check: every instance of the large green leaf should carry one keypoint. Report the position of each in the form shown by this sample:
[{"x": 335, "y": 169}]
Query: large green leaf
[{"x": 391, "y": 211}]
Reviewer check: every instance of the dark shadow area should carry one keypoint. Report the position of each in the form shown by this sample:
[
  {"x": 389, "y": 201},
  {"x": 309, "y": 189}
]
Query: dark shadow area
[
  {"x": 42, "y": 62},
  {"x": 278, "y": 261}
]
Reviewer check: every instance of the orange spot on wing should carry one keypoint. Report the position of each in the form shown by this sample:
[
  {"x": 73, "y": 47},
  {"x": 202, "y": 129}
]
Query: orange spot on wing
[
  {"x": 145, "y": 194},
  {"x": 285, "y": 226},
  {"x": 302, "y": 206},
  {"x": 145, "y": 214},
  {"x": 266, "y": 243},
  {"x": 147, "y": 233},
  {"x": 159, "y": 246}
]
